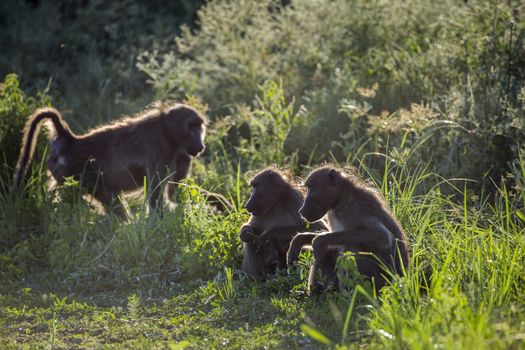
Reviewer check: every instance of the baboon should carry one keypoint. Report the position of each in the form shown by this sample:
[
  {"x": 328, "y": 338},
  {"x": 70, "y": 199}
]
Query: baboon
[
  {"x": 274, "y": 206},
  {"x": 359, "y": 221},
  {"x": 117, "y": 158}
]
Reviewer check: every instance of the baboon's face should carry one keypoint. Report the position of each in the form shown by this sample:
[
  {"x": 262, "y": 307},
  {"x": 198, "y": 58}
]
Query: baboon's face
[
  {"x": 188, "y": 130},
  {"x": 196, "y": 130},
  {"x": 323, "y": 193},
  {"x": 265, "y": 193}
]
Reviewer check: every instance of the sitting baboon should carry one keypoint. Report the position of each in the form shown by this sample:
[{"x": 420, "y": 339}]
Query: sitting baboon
[
  {"x": 359, "y": 221},
  {"x": 119, "y": 157},
  {"x": 274, "y": 206}
]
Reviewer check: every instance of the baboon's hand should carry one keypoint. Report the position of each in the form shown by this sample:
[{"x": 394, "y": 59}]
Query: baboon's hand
[
  {"x": 298, "y": 242},
  {"x": 246, "y": 234}
]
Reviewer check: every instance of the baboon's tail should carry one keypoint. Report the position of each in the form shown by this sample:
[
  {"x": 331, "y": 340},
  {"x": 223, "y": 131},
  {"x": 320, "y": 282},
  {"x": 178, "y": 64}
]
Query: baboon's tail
[{"x": 31, "y": 131}]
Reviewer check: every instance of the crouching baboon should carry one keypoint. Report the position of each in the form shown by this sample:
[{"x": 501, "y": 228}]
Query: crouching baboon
[
  {"x": 116, "y": 158},
  {"x": 358, "y": 220},
  {"x": 274, "y": 206}
]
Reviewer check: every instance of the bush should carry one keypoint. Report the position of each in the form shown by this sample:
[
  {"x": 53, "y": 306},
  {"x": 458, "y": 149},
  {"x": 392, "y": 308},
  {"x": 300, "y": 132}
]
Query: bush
[
  {"x": 457, "y": 68},
  {"x": 15, "y": 107},
  {"x": 85, "y": 51}
]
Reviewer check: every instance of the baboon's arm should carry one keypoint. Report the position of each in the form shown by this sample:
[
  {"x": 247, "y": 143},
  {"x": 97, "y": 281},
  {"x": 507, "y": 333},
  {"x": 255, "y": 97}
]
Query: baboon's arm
[
  {"x": 297, "y": 243},
  {"x": 286, "y": 233},
  {"x": 281, "y": 233},
  {"x": 182, "y": 167},
  {"x": 375, "y": 239},
  {"x": 249, "y": 232}
]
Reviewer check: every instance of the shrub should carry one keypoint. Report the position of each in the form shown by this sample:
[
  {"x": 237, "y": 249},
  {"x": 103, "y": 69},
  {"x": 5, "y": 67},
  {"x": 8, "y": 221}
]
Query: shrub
[
  {"x": 457, "y": 68},
  {"x": 15, "y": 107},
  {"x": 86, "y": 50}
]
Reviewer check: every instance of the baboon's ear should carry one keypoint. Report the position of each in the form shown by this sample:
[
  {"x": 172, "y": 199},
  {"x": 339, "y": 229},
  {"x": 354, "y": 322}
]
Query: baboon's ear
[{"x": 332, "y": 176}]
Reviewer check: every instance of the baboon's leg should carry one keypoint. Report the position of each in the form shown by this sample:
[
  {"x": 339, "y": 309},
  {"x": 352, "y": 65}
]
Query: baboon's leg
[{"x": 111, "y": 202}]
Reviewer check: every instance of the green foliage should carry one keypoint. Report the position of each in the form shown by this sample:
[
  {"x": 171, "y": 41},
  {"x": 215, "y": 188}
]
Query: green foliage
[
  {"x": 15, "y": 107},
  {"x": 85, "y": 51},
  {"x": 219, "y": 246},
  {"x": 372, "y": 76},
  {"x": 232, "y": 152},
  {"x": 270, "y": 121},
  {"x": 228, "y": 54},
  {"x": 348, "y": 274}
]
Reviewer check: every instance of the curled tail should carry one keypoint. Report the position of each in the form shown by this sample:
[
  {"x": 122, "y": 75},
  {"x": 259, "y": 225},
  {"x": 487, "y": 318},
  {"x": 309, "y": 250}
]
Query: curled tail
[{"x": 31, "y": 131}]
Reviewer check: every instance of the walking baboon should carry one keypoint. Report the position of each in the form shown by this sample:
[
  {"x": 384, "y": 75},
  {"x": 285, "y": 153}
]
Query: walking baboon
[
  {"x": 274, "y": 204},
  {"x": 358, "y": 220},
  {"x": 117, "y": 158}
]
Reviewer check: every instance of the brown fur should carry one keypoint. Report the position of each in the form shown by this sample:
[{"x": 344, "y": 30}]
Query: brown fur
[
  {"x": 274, "y": 205},
  {"x": 358, "y": 220},
  {"x": 115, "y": 158}
]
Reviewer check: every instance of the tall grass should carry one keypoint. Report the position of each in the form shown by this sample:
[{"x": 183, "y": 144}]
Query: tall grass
[{"x": 464, "y": 285}]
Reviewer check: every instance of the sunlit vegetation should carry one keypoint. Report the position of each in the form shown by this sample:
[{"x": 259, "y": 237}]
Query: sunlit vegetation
[{"x": 425, "y": 98}]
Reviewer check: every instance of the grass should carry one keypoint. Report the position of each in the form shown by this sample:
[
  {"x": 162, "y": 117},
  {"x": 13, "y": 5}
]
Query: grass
[
  {"x": 78, "y": 279},
  {"x": 203, "y": 323}
]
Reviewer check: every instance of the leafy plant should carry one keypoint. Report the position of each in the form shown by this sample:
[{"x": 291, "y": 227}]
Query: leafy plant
[
  {"x": 15, "y": 107},
  {"x": 370, "y": 76}
]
